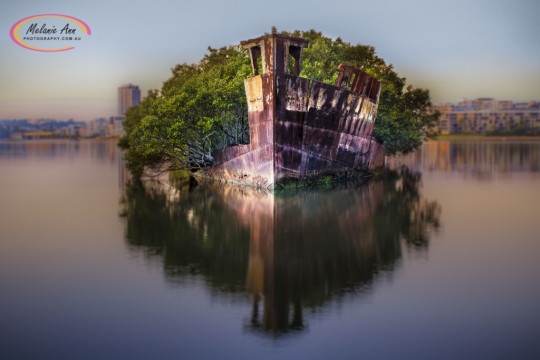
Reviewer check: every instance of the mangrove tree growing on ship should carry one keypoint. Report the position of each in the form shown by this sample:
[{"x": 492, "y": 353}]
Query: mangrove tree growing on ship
[{"x": 202, "y": 107}]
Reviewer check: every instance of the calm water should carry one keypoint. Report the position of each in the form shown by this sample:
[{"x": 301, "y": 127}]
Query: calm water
[{"x": 438, "y": 259}]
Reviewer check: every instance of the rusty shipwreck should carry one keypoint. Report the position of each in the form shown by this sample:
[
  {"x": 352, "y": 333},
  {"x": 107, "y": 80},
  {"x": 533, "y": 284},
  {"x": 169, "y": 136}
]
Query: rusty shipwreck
[{"x": 301, "y": 129}]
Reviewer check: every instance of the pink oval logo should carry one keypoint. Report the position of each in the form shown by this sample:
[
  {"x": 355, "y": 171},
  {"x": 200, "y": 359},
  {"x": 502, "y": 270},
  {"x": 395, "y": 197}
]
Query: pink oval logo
[{"x": 38, "y": 31}]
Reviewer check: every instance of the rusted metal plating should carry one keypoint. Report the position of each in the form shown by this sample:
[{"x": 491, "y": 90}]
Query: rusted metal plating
[{"x": 301, "y": 128}]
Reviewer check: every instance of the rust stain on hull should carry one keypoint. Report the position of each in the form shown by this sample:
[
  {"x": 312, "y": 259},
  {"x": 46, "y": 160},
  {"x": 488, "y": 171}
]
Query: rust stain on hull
[{"x": 301, "y": 128}]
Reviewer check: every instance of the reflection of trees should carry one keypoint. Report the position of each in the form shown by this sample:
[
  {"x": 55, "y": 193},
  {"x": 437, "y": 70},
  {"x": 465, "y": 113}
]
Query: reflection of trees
[
  {"x": 404, "y": 214},
  {"x": 192, "y": 234},
  {"x": 291, "y": 251}
]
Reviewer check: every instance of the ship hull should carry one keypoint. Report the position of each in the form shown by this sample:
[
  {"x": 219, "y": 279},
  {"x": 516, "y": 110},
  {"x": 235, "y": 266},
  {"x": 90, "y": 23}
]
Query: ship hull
[{"x": 302, "y": 129}]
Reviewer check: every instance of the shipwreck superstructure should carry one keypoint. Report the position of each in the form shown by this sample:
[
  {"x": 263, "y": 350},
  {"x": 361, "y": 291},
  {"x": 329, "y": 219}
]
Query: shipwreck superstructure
[{"x": 301, "y": 128}]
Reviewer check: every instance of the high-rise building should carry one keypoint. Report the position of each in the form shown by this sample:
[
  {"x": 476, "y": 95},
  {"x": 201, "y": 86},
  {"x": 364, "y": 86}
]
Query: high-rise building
[{"x": 128, "y": 96}]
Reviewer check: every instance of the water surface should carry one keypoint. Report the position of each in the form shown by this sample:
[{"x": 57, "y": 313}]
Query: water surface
[{"x": 438, "y": 258}]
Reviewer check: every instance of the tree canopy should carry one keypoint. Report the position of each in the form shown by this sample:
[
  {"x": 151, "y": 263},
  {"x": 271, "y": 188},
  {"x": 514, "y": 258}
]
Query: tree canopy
[{"x": 202, "y": 107}]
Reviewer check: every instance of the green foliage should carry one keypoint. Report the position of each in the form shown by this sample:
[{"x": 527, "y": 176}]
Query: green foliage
[
  {"x": 202, "y": 107},
  {"x": 516, "y": 130}
]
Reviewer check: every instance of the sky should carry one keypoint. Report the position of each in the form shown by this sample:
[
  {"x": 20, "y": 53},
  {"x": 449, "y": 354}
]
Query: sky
[{"x": 456, "y": 49}]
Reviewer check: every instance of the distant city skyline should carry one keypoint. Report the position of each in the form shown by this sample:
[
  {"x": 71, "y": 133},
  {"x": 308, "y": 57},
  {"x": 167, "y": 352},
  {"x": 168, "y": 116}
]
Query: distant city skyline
[
  {"x": 487, "y": 114},
  {"x": 460, "y": 49}
]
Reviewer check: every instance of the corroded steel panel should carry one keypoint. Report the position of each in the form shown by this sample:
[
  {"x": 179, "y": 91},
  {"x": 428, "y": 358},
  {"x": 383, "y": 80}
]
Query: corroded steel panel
[
  {"x": 321, "y": 142},
  {"x": 350, "y": 113},
  {"x": 292, "y": 98},
  {"x": 254, "y": 94},
  {"x": 253, "y": 168},
  {"x": 268, "y": 56},
  {"x": 230, "y": 153},
  {"x": 288, "y": 133},
  {"x": 289, "y": 158},
  {"x": 325, "y": 104},
  {"x": 346, "y": 73},
  {"x": 291, "y": 106}
]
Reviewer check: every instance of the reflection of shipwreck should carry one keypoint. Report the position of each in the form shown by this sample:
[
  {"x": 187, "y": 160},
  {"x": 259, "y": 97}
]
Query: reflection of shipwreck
[
  {"x": 241, "y": 241},
  {"x": 300, "y": 128}
]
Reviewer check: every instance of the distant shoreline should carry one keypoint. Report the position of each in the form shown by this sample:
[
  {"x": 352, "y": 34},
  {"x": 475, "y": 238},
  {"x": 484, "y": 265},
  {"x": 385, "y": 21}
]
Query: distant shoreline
[
  {"x": 61, "y": 139},
  {"x": 459, "y": 137}
]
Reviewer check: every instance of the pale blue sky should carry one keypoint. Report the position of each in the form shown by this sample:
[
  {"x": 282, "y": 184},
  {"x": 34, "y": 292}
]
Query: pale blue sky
[{"x": 464, "y": 48}]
